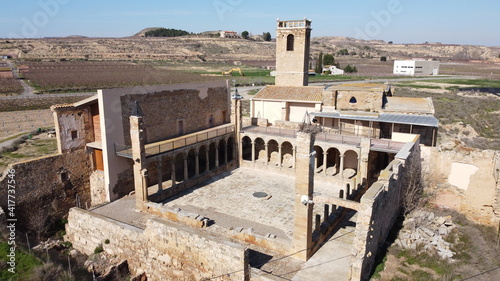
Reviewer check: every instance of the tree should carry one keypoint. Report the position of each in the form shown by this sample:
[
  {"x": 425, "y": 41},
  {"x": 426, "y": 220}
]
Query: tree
[
  {"x": 244, "y": 34},
  {"x": 350, "y": 69},
  {"x": 319, "y": 64},
  {"x": 267, "y": 36},
  {"x": 328, "y": 59},
  {"x": 383, "y": 58},
  {"x": 390, "y": 42},
  {"x": 164, "y": 32},
  {"x": 343, "y": 52}
]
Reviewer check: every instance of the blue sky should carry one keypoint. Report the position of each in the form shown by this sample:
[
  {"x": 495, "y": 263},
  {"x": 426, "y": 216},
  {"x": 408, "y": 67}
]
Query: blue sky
[{"x": 402, "y": 21}]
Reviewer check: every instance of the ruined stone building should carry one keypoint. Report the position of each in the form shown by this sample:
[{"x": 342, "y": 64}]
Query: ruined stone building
[
  {"x": 183, "y": 187},
  {"x": 169, "y": 151}
]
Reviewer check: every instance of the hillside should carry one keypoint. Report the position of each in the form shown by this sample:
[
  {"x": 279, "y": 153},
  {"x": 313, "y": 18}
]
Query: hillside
[
  {"x": 376, "y": 48},
  {"x": 219, "y": 49}
]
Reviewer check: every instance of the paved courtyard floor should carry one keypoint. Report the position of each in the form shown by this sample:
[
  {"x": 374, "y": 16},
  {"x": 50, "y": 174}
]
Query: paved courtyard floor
[{"x": 228, "y": 200}]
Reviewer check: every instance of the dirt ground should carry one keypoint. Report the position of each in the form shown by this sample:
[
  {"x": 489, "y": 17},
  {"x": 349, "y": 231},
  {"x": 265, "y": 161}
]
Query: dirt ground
[{"x": 38, "y": 146}]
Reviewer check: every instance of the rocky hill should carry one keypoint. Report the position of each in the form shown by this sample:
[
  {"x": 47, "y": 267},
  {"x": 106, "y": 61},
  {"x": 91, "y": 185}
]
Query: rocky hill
[{"x": 220, "y": 49}]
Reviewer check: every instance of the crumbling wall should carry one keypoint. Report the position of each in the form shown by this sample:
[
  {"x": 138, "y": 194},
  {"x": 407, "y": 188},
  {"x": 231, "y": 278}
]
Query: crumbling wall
[
  {"x": 472, "y": 180},
  {"x": 379, "y": 208},
  {"x": 46, "y": 188},
  {"x": 73, "y": 127},
  {"x": 198, "y": 108},
  {"x": 163, "y": 251}
]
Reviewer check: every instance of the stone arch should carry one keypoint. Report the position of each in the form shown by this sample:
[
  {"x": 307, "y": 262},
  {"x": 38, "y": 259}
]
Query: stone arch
[
  {"x": 166, "y": 169},
  {"x": 211, "y": 156},
  {"x": 287, "y": 155},
  {"x": 202, "y": 158},
  {"x": 318, "y": 161},
  {"x": 273, "y": 153},
  {"x": 333, "y": 161},
  {"x": 290, "y": 41},
  {"x": 246, "y": 144},
  {"x": 222, "y": 152},
  {"x": 230, "y": 149},
  {"x": 179, "y": 167},
  {"x": 260, "y": 150},
  {"x": 191, "y": 158},
  {"x": 351, "y": 160}
]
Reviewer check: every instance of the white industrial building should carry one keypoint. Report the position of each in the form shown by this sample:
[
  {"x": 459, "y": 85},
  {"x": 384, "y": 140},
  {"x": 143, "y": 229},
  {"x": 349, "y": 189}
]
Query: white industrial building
[{"x": 416, "y": 67}]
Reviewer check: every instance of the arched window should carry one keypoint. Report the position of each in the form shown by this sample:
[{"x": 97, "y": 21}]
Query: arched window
[
  {"x": 353, "y": 100},
  {"x": 289, "y": 42}
]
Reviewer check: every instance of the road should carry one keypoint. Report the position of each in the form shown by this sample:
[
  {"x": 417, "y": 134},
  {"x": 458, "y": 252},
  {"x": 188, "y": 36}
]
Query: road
[{"x": 28, "y": 90}]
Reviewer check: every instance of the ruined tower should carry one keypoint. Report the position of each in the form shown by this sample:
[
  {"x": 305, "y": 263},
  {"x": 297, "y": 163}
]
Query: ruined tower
[{"x": 293, "y": 40}]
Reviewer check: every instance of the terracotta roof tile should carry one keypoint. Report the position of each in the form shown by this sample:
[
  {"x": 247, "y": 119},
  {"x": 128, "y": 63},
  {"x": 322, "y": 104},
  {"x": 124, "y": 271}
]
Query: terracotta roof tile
[{"x": 306, "y": 93}]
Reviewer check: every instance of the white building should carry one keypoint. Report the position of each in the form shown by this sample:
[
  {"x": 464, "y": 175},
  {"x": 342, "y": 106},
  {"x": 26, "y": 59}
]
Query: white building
[
  {"x": 416, "y": 67},
  {"x": 333, "y": 70},
  {"x": 229, "y": 34}
]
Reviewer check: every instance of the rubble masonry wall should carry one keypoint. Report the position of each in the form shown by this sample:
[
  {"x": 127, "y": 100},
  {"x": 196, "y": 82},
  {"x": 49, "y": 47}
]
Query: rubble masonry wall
[{"x": 161, "y": 250}]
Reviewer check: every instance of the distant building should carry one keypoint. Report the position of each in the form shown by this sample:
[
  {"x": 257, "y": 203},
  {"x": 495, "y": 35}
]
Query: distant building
[
  {"x": 5, "y": 71},
  {"x": 418, "y": 67},
  {"x": 229, "y": 34},
  {"x": 333, "y": 70}
]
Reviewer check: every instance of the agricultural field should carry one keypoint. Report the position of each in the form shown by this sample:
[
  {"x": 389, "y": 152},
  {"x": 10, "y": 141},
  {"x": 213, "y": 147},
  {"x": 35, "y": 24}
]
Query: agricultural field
[
  {"x": 10, "y": 86},
  {"x": 64, "y": 77}
]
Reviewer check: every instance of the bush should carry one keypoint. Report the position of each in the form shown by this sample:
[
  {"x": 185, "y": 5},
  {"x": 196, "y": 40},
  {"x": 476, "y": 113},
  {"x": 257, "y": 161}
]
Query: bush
[
  {"x": 98, "y": 249},
  {"x": 350, "y": 69}
]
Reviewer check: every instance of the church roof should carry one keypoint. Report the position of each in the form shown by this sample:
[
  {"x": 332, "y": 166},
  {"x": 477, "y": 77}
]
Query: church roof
[{"x": 289, "y": 93}]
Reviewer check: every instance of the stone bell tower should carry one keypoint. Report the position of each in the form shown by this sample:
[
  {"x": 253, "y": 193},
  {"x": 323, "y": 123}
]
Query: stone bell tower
[{"x": 293, "y": 40}]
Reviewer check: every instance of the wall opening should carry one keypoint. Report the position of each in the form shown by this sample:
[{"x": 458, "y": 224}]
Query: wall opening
[
  {"x": 74, "y": 134},
  {"x": 64, "y": 176},
  {"x": 289, "y": 42},
  {"x": 180, "y": 127},
  {"x": 353, "y": 100}
]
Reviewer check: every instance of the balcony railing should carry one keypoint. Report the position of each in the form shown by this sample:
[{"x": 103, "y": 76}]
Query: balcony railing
[
  {"x": 331, "y": 136},
  {"x": 156, "y": 148}
]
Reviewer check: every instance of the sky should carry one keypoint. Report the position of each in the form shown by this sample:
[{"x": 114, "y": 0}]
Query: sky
[{"x": 401, "y": 21}]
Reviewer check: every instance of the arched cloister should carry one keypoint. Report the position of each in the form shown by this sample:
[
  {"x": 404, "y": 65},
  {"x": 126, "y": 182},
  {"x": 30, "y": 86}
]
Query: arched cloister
[
  {"x": 287, "y": 152},
  {"x": 230, "y": 149},
  {"x": 222, "y": 152},
  {"x": 260, "y": 150},
  {"x": 211, "y": 156},
  {"x": 273, "y": 153},
  {"x": 246, "y": 144},
  {"x": 191, "y": 163}
]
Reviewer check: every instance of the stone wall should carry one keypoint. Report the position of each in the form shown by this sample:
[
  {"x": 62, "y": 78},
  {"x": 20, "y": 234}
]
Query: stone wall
[
  {"x": 97, "y": 190},
  {"x": 48, "y": 187},
  {"x": 162, "y": 112},
  {"x": 73, "y": 127},
  {"x": 162, "y": 250},
  {"x": 379, "y": 208},
  {"x": 363, "y": 100},
  {"x": 466, "y": 181}
]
